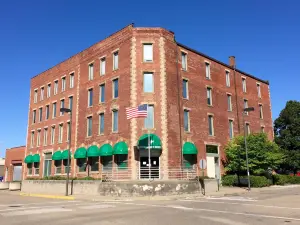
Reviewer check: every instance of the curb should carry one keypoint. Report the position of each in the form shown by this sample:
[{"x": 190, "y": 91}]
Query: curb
[{"x": 48, "y": 196}]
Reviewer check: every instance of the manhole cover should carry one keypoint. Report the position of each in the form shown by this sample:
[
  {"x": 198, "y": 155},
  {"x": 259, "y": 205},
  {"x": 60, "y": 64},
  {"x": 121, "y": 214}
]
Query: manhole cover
[{"x": 14, "y": 206}]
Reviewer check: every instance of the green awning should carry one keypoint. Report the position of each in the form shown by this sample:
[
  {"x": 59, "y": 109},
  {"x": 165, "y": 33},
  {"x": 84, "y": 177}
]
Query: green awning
[
  {"x": 120, "y": 148},
  {"x": 155, "y": 142},
  {"x": 106, "y": 150},
  {"x": 28, "y": 159},
  {"x": 93, "y": 151},
  {"x": 189, "y": 148},
  {"x": 80, "y": 153},
  {"x": 57, "y": 156},
  {"x": 36, "y": 158},
  {"x": 65, "y": 154}
]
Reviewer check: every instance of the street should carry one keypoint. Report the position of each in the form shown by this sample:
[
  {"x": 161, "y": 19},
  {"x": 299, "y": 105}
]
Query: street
[{"x": 278, "y": 205}]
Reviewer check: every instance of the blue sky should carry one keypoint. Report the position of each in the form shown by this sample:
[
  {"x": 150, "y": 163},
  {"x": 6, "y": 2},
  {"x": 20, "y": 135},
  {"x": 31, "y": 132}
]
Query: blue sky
[{"x": 35, "y": 35}]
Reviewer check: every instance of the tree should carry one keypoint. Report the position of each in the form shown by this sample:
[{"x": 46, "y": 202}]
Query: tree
[
  {"x": 262, "y": 155},
  {"x": 287, "y": 135}
]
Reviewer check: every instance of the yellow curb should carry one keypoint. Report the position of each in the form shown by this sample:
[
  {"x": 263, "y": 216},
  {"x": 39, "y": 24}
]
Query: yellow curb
[{"x": 48, "y": 196}]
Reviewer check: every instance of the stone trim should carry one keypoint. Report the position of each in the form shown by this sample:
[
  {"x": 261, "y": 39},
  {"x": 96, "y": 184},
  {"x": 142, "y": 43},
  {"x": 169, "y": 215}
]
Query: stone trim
[
  {"x": 76, "y": 119},
  {"x": 163, "y": 113}
]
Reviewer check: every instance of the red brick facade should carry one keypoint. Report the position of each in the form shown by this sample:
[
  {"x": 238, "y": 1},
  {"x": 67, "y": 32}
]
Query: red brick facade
[
  {"x": 13, "y": 157},
  {"x": 166, "y": 99}
]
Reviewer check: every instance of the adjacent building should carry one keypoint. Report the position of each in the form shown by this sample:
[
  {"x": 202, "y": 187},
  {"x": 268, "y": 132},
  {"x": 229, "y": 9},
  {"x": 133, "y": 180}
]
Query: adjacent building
[
  {"x": 13, "y": 168},
  {"x": 195, "y": 105}
]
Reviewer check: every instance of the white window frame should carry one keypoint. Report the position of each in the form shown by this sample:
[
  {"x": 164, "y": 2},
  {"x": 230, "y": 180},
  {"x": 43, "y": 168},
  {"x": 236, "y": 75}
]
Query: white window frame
[
  {"x": 45, "y": 136},
  {"x": 40, "y": 114},
  {"x": 52, "y": 135},
  {"x": 34, "y": 116},
  {"x": 212, "y": 125},
  {"x": 247, "y": 128},
  {"x": 54, "y": 111},
  {"x": 42, "y": 94},
  {"x": 262, "y": 129},
  {"x": 258, "y": 90},
  {"x": 184, "y": 65},
  {"x": 60, "y": 132},
  {"x": 48, "y": 90},
  {"x": 244, "y": 84},
  {"x": 63, "y": 84},
  {"x": 227, "y": 77},
  {"x": 188, "y": 120},
  {"x": 147, "y": 58},
  {"x": 91, "y": 71},
  {"x": 207, "y": 71},
  {"x": 187, "y": 88},
  {"x": 99, "y": 129},
  {"x": 38, "y": 138},
  {"x": 229, "y": 103},
  {"x": 68, "y": 130},
  {"x": 116, "y": 62},
  {"x": 62, "y": 105},
  {"x": 102, "y": 66},
  {"x": 246, "y": 106},
  {"x": 100, "y": 92},
  {"x": 90, "y": 92},
  {"x": 87, "y": 126},
  {"x": 47, "y": 112},
  {"x": 113, "y": 121},
  {"x": 35, "y": 96},
  {"x": 209, "y": 95},
  {"x": 32, "y": 139},
  {"x": 114, "y": 97},
  {"x": 55, "y": 91},
  {"x": 72, "y": 80},
  {"x": 231, "y": 128},
  {"x": 152, "y": 76},
  {"x": 261, "y": 111}
]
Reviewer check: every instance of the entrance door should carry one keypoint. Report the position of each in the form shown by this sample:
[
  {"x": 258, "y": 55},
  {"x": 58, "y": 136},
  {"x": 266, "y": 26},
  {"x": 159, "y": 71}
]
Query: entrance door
[
  {"x": 149, "y": 171},
  {"x": 17, "y": 172},
  {"x": 217, "y": 168},
  {"x": 47, "y": 164}
]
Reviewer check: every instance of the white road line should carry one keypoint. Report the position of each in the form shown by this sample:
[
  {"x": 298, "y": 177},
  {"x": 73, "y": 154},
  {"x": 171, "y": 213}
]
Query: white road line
[
  {"x": 36, "y": 211},
  {"x": 244, "y": 204},
  {"x": 37, "y": 203},
  {"x": 97, "y": 207},
  {"x": 243, "y": 199},
  {"x": 218, "y": 211},
  {"x": 222, "y": 220}
]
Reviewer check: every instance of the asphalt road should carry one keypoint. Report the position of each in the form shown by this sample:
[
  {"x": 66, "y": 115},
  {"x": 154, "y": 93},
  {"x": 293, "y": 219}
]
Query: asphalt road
[{"x": 275, "y": 206}]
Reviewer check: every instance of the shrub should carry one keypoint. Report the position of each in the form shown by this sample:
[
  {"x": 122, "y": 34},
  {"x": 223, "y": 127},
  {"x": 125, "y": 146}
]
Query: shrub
[
  {"x": 255, "y": 181},
  {"x": 285, "y": 179}
]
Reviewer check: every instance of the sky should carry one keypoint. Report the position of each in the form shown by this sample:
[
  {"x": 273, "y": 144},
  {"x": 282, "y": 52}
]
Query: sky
[{"x": 36, "y": 35}]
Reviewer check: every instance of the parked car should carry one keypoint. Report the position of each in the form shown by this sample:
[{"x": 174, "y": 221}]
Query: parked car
[{"x": 1, "y": 178}]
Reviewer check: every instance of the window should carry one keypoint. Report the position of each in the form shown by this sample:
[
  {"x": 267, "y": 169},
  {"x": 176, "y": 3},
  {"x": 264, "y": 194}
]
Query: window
[
  {"x": 60, "y": 133},
  {"x": 106, "y": 162},
  {"x": 32, "y": 139},
  {"x": 71, "y": 80},
  {"x": 115, "y": 60},
  {"x": 115, "y": 88},
  {"x": 63, "y": 84},
  {"x": 262, "y": 129},
  {"x": 45, "y": 136},
  {"x": 245, "y": 105},
  {"x": 57, "y": 164},
  {"x": 231, "y": 132},
  {"x": 212, "y": 149},
  {"x": 38, "y": 138},
  {"x": 258, "y": 90},
  {"x": 81, "y": 163},
  {"x": 102, "y": 93},
  {"x": 94, "y": 163},
  {"x": 36, "y": 166},
  {"x": 68, "y": 130},
  {"x": 227, "y": 78},
  {"x": 115, "y": 120},
  {"x": 189, "y": 161},
  {"x": 247, "y": 128},
  {"x": 90, "y": 97},
  {"x": 211, "y": 125},
  {"x": 48, "y": 90},
  {"x": 185, "y": 91},
  {"x": 29, "y": 168},
  {"x": 101, "y": 123},
  {"x": 244, "y": 85},
  {"x": 186, "y": 117},
  {"x": 35, "y": 96},
  {"x": 148, "y": 82},
  {"x": 34, "y": 116},
  {"x": 121, "y": 161},
  {"x": 54, "y": 110},
  {"x": 102, "y": 66},
  {"x": 40, "y": 114},
  {"x": 52, "y": 135},
  {"x": 47, "y": 112},
  {"x": 149, "y": 120},
  {"x": 89, "y": 127},
  {"x": 42, "y": 94},
  {"x": 209, "y": 96},
  {"x": 47, "y": 164},
  {"x": 229, "y": 103},
  {"x": 184, "y": 61},
  {"x": 62, "y": 105},
  {"x": 66, "y": 167},
  {"x": 71, "y": 102},
  {"x": 91, "y": 71},
  {"x": 148, "y": 52},
  {"x": 207, "y": 71},
  {"x": 261, "y": 112},
  {"x": 55, "y": 87}
]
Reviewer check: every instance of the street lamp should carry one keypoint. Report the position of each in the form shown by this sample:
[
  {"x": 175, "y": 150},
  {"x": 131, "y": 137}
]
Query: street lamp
[
  {"x": 249, "y": 109},
  {"x": 69, "y": 146}
]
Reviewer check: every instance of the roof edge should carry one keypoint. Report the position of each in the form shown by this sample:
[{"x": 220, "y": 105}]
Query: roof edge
[
  {"x": 224, "y": 64},
  {"x": 21, "y": 146}
]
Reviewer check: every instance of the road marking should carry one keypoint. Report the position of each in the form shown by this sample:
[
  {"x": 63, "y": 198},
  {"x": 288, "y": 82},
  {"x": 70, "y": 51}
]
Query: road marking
[
  {"x": 36, "y": 211},
  {"x": 242, "y": 199},
  {"x": 97, "y": 207},
  {"x": 218, "y": 211},
  {"x": 222, "y": 220},
  {"x": 244, "y": 204},
  {"x": 179, "y": 207},
  {"x": 38, "y": 203}
]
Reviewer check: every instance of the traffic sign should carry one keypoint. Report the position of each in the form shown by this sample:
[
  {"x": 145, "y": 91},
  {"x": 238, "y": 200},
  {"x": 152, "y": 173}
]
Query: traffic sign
[{"x": 202, "y": 164}]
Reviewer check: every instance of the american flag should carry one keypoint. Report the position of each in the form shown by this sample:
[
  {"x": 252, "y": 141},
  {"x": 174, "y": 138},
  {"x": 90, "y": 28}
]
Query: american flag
[{"x": 136, "y": 112}]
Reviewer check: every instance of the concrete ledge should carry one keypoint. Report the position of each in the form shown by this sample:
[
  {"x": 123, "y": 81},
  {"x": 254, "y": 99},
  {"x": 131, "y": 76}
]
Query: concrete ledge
[
  {"x": 14, "y": 186},
  {"x": 48, "y": 196},
  {"x": 4, "y": 185}
]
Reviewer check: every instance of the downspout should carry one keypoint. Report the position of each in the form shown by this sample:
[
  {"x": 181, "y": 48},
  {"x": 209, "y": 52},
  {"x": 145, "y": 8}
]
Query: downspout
[
  {"x": 179, "y": 105},
  {"x": 236, "y": 98}
]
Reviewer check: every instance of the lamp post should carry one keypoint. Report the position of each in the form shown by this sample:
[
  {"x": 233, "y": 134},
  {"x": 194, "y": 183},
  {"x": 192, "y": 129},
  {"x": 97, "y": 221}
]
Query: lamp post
[
  {"x": 69, "y": 146},
  {"x": 249, "y": 109}
]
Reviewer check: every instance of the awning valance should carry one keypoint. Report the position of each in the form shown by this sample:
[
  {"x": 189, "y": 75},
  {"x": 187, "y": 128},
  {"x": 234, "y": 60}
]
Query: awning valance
[
  {"x": 28, "y": 159},
  {"x": 93, "y": 151},
  {"x": 147, "y": 140},
  {"x": 57, "y": 156},
  {"x": 106, "y": 150},
  {"x": 80, "y": 153},
  {"x": 189, "y": 148},
  {"x": 120, "y": 148},
  {"x": 36, "y": 158}
]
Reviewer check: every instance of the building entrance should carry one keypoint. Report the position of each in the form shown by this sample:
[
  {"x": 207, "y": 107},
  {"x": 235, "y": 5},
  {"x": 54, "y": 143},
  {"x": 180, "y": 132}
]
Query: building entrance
[{"x": 149, "y": 171}]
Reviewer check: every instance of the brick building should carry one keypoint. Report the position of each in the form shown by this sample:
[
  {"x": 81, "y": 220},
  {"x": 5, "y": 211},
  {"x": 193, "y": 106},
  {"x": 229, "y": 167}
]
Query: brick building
[
  {"x": 194, "y": 104},
  {"x": 14, "y": 163}
]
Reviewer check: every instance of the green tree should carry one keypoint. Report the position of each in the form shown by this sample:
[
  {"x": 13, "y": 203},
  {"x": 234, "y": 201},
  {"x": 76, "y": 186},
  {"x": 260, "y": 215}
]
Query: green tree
[
  {"x": 287, "y": 135},
  {"x": 262, "y": 155}
]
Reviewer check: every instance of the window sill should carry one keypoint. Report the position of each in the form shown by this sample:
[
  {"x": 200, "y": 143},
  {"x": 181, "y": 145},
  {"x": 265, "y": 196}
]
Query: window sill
[
  {"x": 150, "y": 129},
  {"x": 207, "y": 78},
  {"x": 185, "y": 98},
  {"x": 212, "y": 136},
  {"x": 210, "y": 105},
  {"x": 94, "y": 172},
  {"x": 187, "y": 132},
  {"x": 101, "y": 103},
  {"x": 58, "y": 174},
  {"x": 88, "y": 137},
  {"x": 229, "y": 110},
  {"x": 115, "y": 70},
  {"x": 81, "y": 172},
  {"x": 148, "y": 62},
  {"x": 115, "y": 132},
  {"x": 100, "y": 135},
  {"x": 90, "y": 106},
  {"x": 184, "y": 70}
]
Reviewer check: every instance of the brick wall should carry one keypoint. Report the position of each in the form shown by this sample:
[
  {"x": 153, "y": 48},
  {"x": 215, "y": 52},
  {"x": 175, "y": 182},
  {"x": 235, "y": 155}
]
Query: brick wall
[{"x": 13, "y": 156}]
